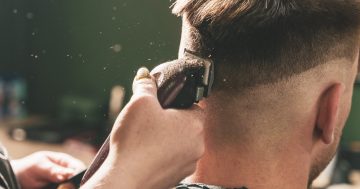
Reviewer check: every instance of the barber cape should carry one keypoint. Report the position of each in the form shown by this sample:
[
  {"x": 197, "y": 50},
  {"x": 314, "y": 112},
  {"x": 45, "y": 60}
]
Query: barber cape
[
  {"x": 202, "y": 186},
  {"x": 7, "y": 176}
]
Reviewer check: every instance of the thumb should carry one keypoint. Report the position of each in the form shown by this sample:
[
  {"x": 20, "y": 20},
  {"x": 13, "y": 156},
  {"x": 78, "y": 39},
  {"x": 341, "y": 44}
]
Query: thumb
[{"x": 144, "y": 83}]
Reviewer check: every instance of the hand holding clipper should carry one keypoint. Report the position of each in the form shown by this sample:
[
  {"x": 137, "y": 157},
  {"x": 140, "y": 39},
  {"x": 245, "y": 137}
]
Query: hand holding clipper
[{"x": 180, "y": 84}]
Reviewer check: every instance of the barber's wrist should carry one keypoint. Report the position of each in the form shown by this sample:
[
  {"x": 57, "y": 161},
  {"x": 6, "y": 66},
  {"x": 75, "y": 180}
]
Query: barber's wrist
[{"x": 111, "y": 176}]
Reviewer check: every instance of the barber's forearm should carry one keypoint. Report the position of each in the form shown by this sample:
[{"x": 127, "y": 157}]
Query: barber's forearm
[
  {"x": 108, "y": 181},
  {"x": 110, "y": 177}
]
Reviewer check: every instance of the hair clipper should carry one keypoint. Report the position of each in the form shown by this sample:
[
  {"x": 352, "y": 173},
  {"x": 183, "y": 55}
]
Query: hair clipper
[{"x": 181, "y": 83}]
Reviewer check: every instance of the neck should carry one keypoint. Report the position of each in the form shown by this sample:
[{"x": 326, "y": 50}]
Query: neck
[
  {"x": 233, "y": 170},
  {"x": 239, "y": 160}
]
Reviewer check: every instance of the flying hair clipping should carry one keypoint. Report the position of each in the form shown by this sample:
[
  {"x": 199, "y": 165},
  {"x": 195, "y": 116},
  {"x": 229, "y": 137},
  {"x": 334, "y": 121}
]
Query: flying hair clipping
[{"x": 185, "y": 81}]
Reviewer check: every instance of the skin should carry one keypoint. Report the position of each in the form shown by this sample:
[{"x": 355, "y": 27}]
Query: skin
[
  {"x": 288, "y": 133},
  {"x": 42, "y": 168},
  {"x": 159, "y": 148},
  {"x": 139, "y": 150},
  {"x": 151, "y": 146}
]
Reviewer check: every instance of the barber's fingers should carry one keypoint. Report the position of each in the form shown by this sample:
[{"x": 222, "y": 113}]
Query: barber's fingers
[
  {"x": 193, "y": 117},
  {"x": 55, "y": 173},
  {"x": 144, "y": 83},
  {"x": 194, "y": 112},
  {"x": 196, "y": 109},
  {"x": 65, "y": 161}
]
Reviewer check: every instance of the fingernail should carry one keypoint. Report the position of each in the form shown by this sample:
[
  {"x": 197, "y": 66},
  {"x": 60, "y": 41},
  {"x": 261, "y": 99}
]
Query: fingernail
[
  {"x": 142, "y": 73},
  {"x": 69, "y": 171}
]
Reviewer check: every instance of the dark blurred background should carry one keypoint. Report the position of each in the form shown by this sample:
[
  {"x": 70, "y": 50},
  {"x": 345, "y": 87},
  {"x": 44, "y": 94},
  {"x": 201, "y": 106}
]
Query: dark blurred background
[
  {"x": 60, "y": 59},
  {"x": 83, "y": 47}
]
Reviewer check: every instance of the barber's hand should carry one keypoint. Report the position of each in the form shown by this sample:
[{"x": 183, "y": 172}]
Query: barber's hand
[
  {"x": 41, "y": 168},
  {"x": 151, "y": 147}
]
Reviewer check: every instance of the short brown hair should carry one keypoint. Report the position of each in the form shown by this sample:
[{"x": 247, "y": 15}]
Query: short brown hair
[{"x": 260, "y": 41}]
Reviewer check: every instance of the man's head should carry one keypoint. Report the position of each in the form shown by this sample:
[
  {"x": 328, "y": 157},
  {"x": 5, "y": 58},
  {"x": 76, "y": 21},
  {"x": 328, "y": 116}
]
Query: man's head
[
  {"x": 284, "y": 70},
  {"x": 273, "y": 39}
]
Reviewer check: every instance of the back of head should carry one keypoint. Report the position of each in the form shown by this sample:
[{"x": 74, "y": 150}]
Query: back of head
[
  {"x": 280, "y": 70},
  {"x": 256, "y": 42},
  {"x": 272, "y": 60}
]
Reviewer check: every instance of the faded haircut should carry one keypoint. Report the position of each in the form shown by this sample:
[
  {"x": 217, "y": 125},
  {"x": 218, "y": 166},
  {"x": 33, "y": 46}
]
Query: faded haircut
[{"x": 255, "y": 42}]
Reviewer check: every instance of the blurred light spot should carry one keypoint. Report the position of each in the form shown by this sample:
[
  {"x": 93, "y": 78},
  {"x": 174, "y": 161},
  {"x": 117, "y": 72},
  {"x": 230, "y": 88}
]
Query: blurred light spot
[
  {"x": 19, "y": 134},
  {"x": 116, "y": 48},
  {"x": 30, "y": 15}
]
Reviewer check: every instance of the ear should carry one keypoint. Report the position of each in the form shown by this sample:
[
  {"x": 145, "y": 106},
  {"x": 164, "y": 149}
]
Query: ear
[{"x": 328, "y": 112}]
